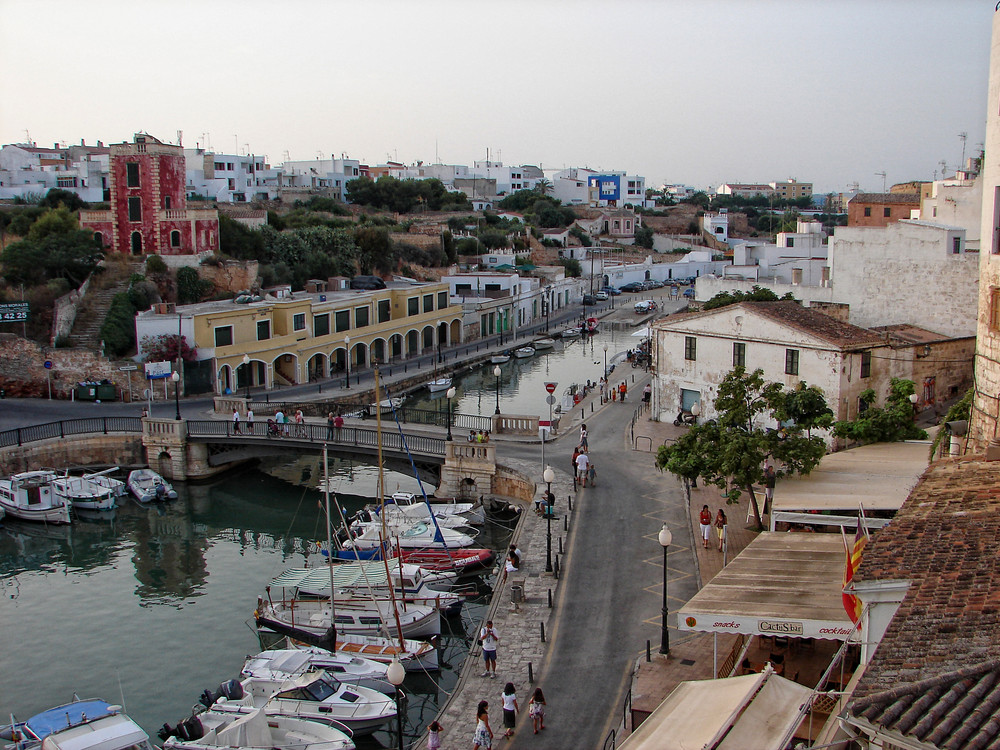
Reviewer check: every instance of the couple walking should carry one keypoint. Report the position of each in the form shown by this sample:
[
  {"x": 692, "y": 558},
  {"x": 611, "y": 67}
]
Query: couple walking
[
  {"x": 584, "y": 469},
  {"x": 705, "y": 520}
]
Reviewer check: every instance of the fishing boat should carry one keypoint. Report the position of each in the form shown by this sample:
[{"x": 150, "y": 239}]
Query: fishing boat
[
  {"x": 81, "y": 725},
  {"x": 29, "y": 496},
  {"x": 317, "y": 696},
  {"x": 420, "y": 535},
  {"x": 414, "y": 655},
  {"x": 571, "y": 332},
  {"x": 147, "y": 486},
  {"x": 348, "y": 668},
  {"x": 500, "y": 359},
  {"x": 117, "y": 486},
  {"x": 439, "y": 384},
  {"x": 524, "y": 352},
  {"x": 259, "y": 729},
  {"x": 83, "y": 493},
  {"x": 545, "y": 343},
  {"x": 465, "y": 561}
]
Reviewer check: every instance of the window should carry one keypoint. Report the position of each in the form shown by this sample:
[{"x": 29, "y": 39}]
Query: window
[
  {"x": 887, "y": 212},
  {"x": 428, "y": 303},
  {"x": 361, "y": 317},
  {"x": 224, "y": 336},
  {"x": 690, "y": 348},
  {"x": 175, "y": 238},
  {"x": 866, "y": 364},
  {"x": 299, "y": 322},
  {"x": 956, "y": 245},
  {"x": 719, "y": 230},
  {"x": 796, "y": 275},
  {"x": 739, "y": 355},
  {"x": 442, "y": 300},
  {"x": 994, "y": 309},
  {"x": 99, "y": 238},
  {"x": 384, "y": 313},
  {"x": 321, "y": 324},
  {"x": 132, "y": 174},
  {"x": 996, "y": 221},
  {"x": 868, "y": 210},
  {"x": 791, "y": 361},
  {"x": 342, "y": 320},
  {"x": 789, "y": 242},
  {"x": 413, "y": 306},
  {"x": 135, "y": 209},
  {"x": 166, "y": 202},
  {"x": 263, "y": 330}
]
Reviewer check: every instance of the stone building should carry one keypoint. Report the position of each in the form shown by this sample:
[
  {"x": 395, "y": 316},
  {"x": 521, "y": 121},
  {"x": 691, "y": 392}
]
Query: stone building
[{"x": 880, "y": 209}]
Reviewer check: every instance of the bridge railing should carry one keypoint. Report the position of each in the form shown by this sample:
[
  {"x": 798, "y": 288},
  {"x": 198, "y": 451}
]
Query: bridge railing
[
  {"x": 406, "y": 414},
  {"x": 66, "y": 427},
  {"x": 313, "y": 433}
]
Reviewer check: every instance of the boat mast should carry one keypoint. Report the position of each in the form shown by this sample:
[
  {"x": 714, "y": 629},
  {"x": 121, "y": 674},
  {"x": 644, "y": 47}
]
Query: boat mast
[{"x": 331, "y": 634}]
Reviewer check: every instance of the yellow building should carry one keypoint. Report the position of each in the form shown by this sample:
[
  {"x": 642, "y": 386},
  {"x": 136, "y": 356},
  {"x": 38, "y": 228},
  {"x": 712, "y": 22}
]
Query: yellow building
[{"x": 290, "y": 339}]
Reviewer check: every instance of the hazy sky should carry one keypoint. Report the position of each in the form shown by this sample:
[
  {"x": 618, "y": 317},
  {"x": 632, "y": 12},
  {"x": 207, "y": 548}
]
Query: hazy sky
[{"x": 693, "y": 91}]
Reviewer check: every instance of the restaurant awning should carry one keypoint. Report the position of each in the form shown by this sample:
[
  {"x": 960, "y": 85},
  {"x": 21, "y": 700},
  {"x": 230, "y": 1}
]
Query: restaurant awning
[
  {"x": 757, "y": 710},
  {"x": 782, "y": 583}
]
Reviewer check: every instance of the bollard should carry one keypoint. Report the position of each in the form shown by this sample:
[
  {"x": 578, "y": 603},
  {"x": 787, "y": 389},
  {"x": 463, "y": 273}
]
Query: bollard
[
  {"x": 320, "y": 388},
  {"x": 555, "y": 568},
  {"x": 542, "y": 626},
  {"x": 404, "y": 367},
  {"x": 565, "y": 523},
  {"x": 550, "y": 598},
  {"x": 560, "y": 545},
  {"x": 649, "y": 656},
  {"x": 591, "y": 407},
  {"x": 570, "y": 505},
  {"x": 531, "y": 674}
]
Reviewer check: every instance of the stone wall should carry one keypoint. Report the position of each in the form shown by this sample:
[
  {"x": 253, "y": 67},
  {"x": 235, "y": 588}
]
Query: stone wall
[
  {"x": 510, "y": 483},
  {"x": 61, "y": 453},
  {"x": 232, "y": 276},
  {"x": 22, "y": 369},
  {"x": 65, "y": 310}
]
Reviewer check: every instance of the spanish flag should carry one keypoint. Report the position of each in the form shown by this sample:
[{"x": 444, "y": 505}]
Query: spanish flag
[{"x": 851, "y": 603}]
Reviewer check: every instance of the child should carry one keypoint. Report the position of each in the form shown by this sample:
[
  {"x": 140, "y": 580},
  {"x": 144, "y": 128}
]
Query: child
[
  {"x": 592, "y": 474},
  {"x": 536, "y": 710},
  {"x": 434, "y": 736},
  {"x": 509, "y": 709}
]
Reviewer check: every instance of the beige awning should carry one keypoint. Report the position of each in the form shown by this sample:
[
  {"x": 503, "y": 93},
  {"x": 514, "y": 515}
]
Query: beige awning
[
  {"x": 752, "y": 712},
  {"x": 782, "y": 583}
]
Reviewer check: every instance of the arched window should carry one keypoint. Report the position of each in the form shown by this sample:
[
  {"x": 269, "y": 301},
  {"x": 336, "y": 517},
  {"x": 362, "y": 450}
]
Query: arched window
[
  {"x": 175, "y": 238},
  {"x": 99, "y": 237}
]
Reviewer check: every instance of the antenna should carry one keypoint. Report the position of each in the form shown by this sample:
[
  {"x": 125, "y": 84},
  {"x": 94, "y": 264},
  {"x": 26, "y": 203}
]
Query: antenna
[
  {"x": 882, "y": 175},
  {"x": 963, "y": 136},
  {"x": 944, "y": 167}
]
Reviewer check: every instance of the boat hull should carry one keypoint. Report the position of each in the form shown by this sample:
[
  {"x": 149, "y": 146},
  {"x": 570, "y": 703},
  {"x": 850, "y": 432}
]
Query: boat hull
[{"x": 312, "y": 616}]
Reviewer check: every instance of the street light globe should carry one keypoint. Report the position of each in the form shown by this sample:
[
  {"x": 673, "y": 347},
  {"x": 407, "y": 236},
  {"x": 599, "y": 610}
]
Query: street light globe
[
  {"x": 395, "y": 673},
  {"x": 548, "y": 475},
  {"x": 696, "y": 408},
  {"x": 450, "y": 394},
  {"x": 496, "y": 371},
  {"x": 175, "y": 376},
  {"x": 246, "y": 359},
  {"x": 605, "y": 348},
  {"x": 665, "y": 537},
  {"x": 913, "y": 398}
]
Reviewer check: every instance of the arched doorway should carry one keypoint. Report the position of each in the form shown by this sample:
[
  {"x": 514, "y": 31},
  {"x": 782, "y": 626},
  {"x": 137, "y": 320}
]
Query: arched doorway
[
  {"x": 412, "y": 343},
  {"x": 377, "y": 351},
  {"x": 359, "y": 355},
  {"x": 456, "y": 332},
  {"x": 428, "y": 337},
  {"x": 136, "y": 243},
  {"x": 338, "y": 360},
  {"x": 285, "y": 368},
  {"x": 396, "y": 346},
  {"x": 443, "y": 335},
  {"x": 165, "y": 465},
  {"x": 225, "y": 379},
  {"x": 316, "y": 367}
]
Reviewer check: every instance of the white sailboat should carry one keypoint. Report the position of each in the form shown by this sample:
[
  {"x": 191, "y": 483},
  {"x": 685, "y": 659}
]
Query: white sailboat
[{"x": 83, "y": 493}]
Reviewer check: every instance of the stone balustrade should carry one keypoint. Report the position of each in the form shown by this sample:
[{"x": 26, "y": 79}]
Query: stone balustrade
[{"x": 515, "y": 424}]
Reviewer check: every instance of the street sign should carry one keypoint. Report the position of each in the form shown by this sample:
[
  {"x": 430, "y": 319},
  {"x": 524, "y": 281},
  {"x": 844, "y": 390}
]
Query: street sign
[
  {"x": 157, "y": 370},
  {"x": 128, "y": 368},
  {"x": 48, "y": 365},
  {"x": 550, "y": 400},
  {"x": 14, "y": 312},
  {"x": 551, "y": 387}
]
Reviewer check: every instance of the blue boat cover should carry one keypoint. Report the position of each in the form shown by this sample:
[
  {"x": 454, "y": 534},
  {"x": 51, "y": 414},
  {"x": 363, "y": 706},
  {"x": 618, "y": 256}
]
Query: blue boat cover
[{"x": 59, "y": 718}]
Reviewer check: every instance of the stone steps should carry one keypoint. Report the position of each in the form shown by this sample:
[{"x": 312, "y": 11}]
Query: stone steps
[{"x": 86, "y": 331}]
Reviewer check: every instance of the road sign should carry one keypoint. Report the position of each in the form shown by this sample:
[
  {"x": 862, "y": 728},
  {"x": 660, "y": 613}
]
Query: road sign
[
  {"x": 14, "y": 312},
  {"x": 157, "y": 370},
  {"x": 128, "y": 368},
  {"x": 550, "y": 400},
  {"x": 551, "y": 387},
  {"x": 48, "y": 365}
]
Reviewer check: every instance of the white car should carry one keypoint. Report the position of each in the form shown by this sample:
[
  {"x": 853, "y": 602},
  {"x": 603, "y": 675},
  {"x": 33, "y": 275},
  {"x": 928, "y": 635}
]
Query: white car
[
  {"x": 645, "y": 306},
  {"x": 601, "y": 296}
]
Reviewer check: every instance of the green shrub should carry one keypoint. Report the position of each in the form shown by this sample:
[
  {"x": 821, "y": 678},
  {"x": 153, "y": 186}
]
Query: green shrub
[
  {"x": 155, "y": 264},
  {"x": 118, "y": 328}
]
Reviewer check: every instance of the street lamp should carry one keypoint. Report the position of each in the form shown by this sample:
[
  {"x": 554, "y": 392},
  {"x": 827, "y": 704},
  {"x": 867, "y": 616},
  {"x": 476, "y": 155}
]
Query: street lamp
[
  {"x": 548, "y": 475},
  {"x": 395, "y": 675},
  {"x": 450, "y": 394},
  {"x": 696, "y": 410},
  {"x": 246, "y": 374},
  {"x": 496, "y": 372},
  {"x": 605, "y": 362},
  {"x": 347, "y": 361},
  {"x": 664, "y": 537},
  {"x": 176, "y": 377}
]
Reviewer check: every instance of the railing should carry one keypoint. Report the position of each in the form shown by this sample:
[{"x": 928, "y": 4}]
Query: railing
[
  {"x": 358, "y": 437},
  {"x": 66, "y": 427},
  {"x": 405, "y": 414}
]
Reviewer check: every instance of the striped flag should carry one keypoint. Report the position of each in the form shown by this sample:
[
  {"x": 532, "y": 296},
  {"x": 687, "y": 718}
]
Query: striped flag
[{"x": 851, "y": 603}]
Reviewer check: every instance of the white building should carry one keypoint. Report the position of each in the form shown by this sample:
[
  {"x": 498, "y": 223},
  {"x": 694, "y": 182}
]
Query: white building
[
  {"x": 717, "y": 225},
  {"x": 328, "y": 175},
  {"x": 796, "y": 258},
  {"x": 571, "y": 186},
  {"x": 28, "y": 171},
  {"x": 230, "y": 178}
]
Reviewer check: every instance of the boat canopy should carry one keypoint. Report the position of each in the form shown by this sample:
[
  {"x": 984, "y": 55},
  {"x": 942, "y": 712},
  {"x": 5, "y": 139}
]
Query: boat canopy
[
  {"x": 344, "y": 575},
  {"x": 61, "y": 717}
]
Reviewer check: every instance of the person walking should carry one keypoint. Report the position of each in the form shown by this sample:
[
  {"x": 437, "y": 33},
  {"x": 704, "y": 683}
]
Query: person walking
[
  {"x": 509, "y": 699},
  {"x": 489, "y": 638},
  {"x": 572, "y": 461},
  {"x": 483, "y": 738},
  {"x": 647, "y": 393},
  {"x": 338, "y": 424},
  {"x": 329, "y": 425},
  {"x": 770, "y": 477},
  {"x": 622, "y": 390},
  {"x": 583, "y": 437},
  {"x": 300, "y": 424},
  {"x": 720, "y": 526},
  {"x": 236, "y": 421},
  {"x": 249, "y": 419},
  {"x": 279, "y": 420},
  {"x": 536, "y": 709},
  {"x": 582, "y": 464},
  {"x": 592, "y": 474},
  {"x": 705, "y": 519},
  {"x": 434, "y": 736}
]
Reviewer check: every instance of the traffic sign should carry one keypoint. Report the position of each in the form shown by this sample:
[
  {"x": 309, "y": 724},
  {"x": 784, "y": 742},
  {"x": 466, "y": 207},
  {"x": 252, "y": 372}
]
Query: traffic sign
[
  {"x": 128, "y": 368},
  {"x": 48, "y": 365},
  {"x": 550, "y": 400},
  {"x": 551, "y": 387}
]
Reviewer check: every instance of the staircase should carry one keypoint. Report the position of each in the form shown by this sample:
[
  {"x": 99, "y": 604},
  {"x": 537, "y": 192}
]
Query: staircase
[{"x": 86, "y": 331}]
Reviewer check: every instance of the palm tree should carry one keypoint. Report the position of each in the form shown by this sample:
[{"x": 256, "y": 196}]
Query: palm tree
[{"x": 543, "y": 186}]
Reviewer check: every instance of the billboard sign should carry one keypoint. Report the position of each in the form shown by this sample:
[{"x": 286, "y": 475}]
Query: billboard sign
[
  {"x": 158, "y": 370},
  {"x": 14, "y": 312}
]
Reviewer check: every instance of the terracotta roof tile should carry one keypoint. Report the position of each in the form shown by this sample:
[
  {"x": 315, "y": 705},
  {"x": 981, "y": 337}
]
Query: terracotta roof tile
[{"x": 908, "y": 198}]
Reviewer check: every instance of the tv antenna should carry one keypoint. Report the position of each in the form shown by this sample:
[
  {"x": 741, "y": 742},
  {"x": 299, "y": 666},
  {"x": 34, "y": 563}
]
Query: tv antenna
[
  {"x": 963, "y": 136},
  {"x": 882, "y": 175}
]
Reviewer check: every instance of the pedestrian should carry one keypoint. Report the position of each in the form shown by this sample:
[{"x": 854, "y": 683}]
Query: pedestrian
[
  {"x": 279, "y": 420},
  {"x": 536, "y": 709},
  {"x": 300, "y": 424},
  {"x": 509, "y": 709},
  {"x": 483, "y": 738},
  {"x": 770, "y": 477},
  {"x": 582, "y": 463},
  {"x": 513, "y": 548},
  {"x": 513, "y": 563},
  {"x": 472, "y": 436},
  {"x": 647, "y": 393},
  {"x": 583, "y": 437},
  {"x": 622, "y": 390},
  {"x": 720, "y": 526},
  {"x": 145, "y": 412},
  {"x": 489, "y": 638},
  {"x": 705, "y": 519},
  {"x": 592, "y": 474},
  {"x": 329, "y": 425},
  {"x": 572, "y": 461},
  {"x": 486, "y": 436},
  {"x": 338, "y": 424},
  {"x": 434, "y": 736},
  {"x": 236, "y": 421},
  {"x": 249, "y": 419}
]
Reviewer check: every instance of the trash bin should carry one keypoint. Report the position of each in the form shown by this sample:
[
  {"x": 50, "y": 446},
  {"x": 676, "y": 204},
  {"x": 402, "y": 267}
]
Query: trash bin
[
  {"x": 516, "y": 593},
  {"x": 107, "y": 392},
  {"x": 85, "y": 393}
]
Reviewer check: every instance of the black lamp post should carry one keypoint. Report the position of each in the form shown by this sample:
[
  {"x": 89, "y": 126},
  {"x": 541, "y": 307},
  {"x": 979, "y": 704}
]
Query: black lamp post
[
  {"x": 347, "y": 361},
  {"x": 176, "y": 377},
  {"x": 450, "y": 394},
  {"x": 496, "y": 372},
  {"x": 395, "y": 675},
  {"x": 548, "y": 475},
  {"x": 246, "y": 375},
  {"x": 605, "y": 362},
  {"x": 664, "y": 537}
]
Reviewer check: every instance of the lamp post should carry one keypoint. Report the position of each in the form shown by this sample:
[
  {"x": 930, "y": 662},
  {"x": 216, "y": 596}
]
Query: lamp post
[
  {"x": 395, "y": 675},
  {"x": 664, "y": 537},
  {"x": 176, "y": 377},
  {"x": 605, "y": 362},
  {"x": 450, "y": 394},
  {"x": 496, "y": 373},
  {"x": 548, "y": 475},
  {"x": 696, "y": 410},
  {"x": 246, "y": 374},
  {"x": 347, "y": 361}
]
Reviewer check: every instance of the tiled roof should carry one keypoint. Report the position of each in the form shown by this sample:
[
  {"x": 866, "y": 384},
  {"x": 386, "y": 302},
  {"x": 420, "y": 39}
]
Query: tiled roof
[
  {"x": 909, "y": 198},
  {"x": 945, "y": 541},
  {"x": 912, "y": 334},
  {"x": 956, "y": 710},
  {"x": 816, "y": 323}
]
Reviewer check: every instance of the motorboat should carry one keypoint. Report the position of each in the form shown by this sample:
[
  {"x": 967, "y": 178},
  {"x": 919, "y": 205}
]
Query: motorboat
[
  {"x": 396, "y": 516},
  {"x": 545, "y": 343},
  {"x": 147, "y": 486},
  {"x": 348, "y": 668},
  {"x": 29, "y": 496},
  {"x": 500, "y": 359},
  {"x": 389, "y": 404},
  {"x": 117, "y": 486},
  {"x": 592, "y": 325},
  {"x": 412, "y": 535},
  {"x": 439, "y": 384},
  {"x": 317, "y": 696},
  {"x": 415, "y": 656},
  {"x": 463, "y": 561},
  {"x": 83, "y": 493},
  {"x": 259, "y": 729},
  {"x": 571, "y": 332},
  {"x": 90, "y": 724},
  {"x": 524, "y": 352}
]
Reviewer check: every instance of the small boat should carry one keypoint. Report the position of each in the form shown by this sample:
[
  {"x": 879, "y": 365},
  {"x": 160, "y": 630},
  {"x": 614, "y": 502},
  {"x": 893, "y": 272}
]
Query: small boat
[
  {"x": 389, "y": 404},
  {"x": 83, "y": 493},
  {"x": 117, "y": 486},
  {"x": 29, "y": 496},
  {"x": 81, "y": 725},
  {"x": 346, "y": 667},
  {"x": 524, "y": 352},
  {"x": 259, "y": 729},
  {"x": 545, "y": 343},
  {"x": 571, "y": 332},
  {"x": 147, "y": 486},
  {"x": 317, "y": 696},
  {"x": 412, "y": 535},
  {"x": 463, "y": 561},
  {"x": 439, "y": 384},
  {"x": 500, "y": 359}
]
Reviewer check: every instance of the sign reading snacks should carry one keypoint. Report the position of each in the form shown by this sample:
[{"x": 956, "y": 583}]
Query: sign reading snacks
[{"x": 14, "y": 312}]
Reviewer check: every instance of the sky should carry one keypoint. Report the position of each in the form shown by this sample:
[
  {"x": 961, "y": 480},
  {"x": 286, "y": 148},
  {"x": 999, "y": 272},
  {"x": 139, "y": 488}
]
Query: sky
[{"x": 698, "y": 92}]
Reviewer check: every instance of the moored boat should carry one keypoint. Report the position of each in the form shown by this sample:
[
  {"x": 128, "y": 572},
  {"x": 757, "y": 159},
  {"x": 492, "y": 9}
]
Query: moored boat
[
  {"x": 415, "y": 656},
  {"x": 524, "y": 352},
  {"x": 571, "y": 332},
  {"x": 29, "y": 496},
  {"x": 439, "y": 384},
  {"x": 500, "y": 359},
  {"x": 545, "y": 343},
  {"x": 348, "y": 668},
  {"x": 147, "y": 486},
  {"x": 412, "y": 535},
  {"x": 259, "y": 729},
  {"x": 117, "y": 486},
  {"x": 81, "y": 725},
  {"x": 82, "y": 493}
]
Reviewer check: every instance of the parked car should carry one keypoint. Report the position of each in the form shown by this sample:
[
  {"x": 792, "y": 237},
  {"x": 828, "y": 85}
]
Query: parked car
[
  {"x": 601, "y": 296},
  {"x": 644, "y": 306},
  {"x": 613, "y": 291},
  {"x": 367, "y": 282},
  {"x": 589, "y": 299},
  {"x": 689, "y": 292},
  {"x": 632, "y": 286},
  {"x": 654, "y": 284}
]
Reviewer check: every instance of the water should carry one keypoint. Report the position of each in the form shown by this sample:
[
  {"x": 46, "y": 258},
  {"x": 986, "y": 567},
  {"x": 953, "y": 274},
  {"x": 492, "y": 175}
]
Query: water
[{"x": 151, "y": 607}]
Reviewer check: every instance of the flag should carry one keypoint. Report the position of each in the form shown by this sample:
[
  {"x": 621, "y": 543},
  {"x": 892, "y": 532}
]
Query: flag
[{"x": 851, "y": 603}]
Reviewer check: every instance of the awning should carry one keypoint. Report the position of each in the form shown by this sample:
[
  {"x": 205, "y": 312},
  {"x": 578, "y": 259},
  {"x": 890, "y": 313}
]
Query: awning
[
  {"x": 782, "y": 583},
  {"x": 753, "y": 711},
  {"x": 344, "y": 575}
]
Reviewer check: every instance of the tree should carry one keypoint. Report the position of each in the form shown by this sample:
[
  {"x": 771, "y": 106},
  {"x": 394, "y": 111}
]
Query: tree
[
  {"x": 239, "y": 241},
  {"x": 806, "y": 407},
  {"x": 543, "y": 186},
  {"x": 58, "y": 197},
  {"x": 191, "y": 287},
  {"x": 732, "y": 449},
  {"x": 886, "y": 424},
  {"x": 163, "y": 348},
  {"x": 118, "y": 329},
  {"x": 961, "y": 409},
  {"x": 55, "y": 248},
  {"x": 644, "y": 237},
  {"x": 572, "y": 266},
  {"x": 756, "y": 294},
  {"x": 448, "y": 245}
]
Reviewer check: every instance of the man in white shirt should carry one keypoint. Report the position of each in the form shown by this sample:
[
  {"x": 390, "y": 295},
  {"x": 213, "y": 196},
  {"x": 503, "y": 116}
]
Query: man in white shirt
[
  {"x": 582, "y": 464},
  {"x": 489, "y": 638}
]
